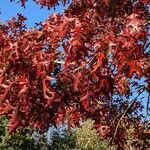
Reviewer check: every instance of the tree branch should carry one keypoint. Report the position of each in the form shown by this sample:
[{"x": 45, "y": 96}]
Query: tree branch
[
  {"x": 123, "y": 115},
  {"x": 147, "y": 107}
]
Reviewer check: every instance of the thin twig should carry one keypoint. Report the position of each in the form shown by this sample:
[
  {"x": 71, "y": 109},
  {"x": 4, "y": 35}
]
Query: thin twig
[
  {"x": 147, "y": 107},
  {"x": 123, "y": 115}
]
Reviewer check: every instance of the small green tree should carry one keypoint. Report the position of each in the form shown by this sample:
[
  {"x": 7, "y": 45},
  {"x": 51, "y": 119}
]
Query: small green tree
[
  {"x": 84, "y": 138},
  {"x": 63, "y": 141},
  {"x": 22, "y": 139},
  {"x": 88, "y": 139}
]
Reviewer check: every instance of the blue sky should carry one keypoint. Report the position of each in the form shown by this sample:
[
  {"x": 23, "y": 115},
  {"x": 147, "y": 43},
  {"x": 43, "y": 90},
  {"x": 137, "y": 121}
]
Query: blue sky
[{"x": 32, "y": 11}]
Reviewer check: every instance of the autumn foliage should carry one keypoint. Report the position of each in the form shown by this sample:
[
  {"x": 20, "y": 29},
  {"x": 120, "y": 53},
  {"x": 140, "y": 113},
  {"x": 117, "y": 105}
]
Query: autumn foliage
[{"x": 85, "y": 63}]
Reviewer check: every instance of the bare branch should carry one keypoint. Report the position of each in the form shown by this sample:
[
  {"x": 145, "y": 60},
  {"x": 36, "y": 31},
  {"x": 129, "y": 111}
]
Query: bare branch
[
  {"x": 123, "y": 115},
  {"x": 147, "y": 107}
]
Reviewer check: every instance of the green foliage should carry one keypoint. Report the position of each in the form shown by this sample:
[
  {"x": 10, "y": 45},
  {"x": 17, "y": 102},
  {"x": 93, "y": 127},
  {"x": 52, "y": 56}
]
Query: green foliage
[
  {"x": 84, "y": 138},
  {"x": 135, "y": 142},
  {"x": 3, "y": 123},
  {"x": 64, "y": 141},
  {"x": 22, "y": 139},
  {"x": 87, "y": 138}
]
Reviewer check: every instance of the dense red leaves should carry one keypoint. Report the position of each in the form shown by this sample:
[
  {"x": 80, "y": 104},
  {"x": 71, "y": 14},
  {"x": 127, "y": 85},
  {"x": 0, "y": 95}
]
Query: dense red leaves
[
  {"x": 53, "y": 3},
  {"x": 47, "y": 3},
  {"x": 69, "y": 67},
  {"x": 145, "y": 1}
]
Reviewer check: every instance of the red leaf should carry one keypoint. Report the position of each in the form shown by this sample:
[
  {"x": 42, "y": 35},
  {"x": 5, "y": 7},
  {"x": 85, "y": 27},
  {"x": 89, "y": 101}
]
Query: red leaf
[
  {"x": 101, "y": 57},
  {"x": 76, "y": 80},
  {"x": 13, "y": 127},
  {"x": 85, "y": 101},
  {"x": 48, "y": 95},
  {"x": 59, "y": 118},
  {"x": 134, "y": 66}
]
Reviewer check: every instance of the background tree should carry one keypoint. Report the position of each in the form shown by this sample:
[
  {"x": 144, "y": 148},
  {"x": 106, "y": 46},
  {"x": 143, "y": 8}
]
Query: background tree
[
  {"x": 84, "y": 138},
  {"x": 85, "y": 63},
  {"x": 22, "y": 139}
]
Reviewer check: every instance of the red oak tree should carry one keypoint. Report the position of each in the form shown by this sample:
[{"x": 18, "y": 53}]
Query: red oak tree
[{"x": 85, "y": 63}]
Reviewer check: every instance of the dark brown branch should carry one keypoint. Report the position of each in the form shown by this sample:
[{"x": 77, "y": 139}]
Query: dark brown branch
[{"x": 147, "y": 107}]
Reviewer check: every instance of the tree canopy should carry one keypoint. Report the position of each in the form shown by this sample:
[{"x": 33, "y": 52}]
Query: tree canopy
[{"x": 84, "y": 63}]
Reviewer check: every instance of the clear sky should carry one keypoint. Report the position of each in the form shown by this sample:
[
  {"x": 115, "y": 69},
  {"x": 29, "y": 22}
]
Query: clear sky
[{"x": 32, "y": 11}]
